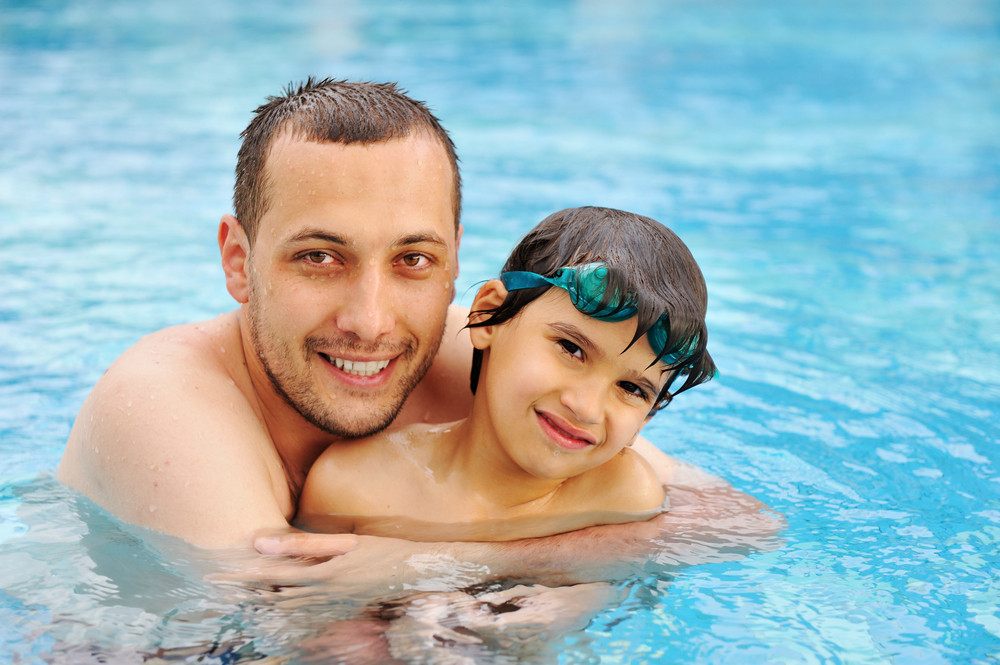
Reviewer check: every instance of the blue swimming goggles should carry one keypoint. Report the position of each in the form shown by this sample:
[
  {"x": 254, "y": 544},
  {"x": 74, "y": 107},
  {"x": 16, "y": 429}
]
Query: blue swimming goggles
[{"x": 586, "y": 285}]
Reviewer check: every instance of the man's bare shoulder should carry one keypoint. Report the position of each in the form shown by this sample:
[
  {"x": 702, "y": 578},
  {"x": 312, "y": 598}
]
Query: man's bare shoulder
[
  {"x": 171, "y": 364},
  {"x": 202, "y": 342},
  {"x": 170, "y": 429}
]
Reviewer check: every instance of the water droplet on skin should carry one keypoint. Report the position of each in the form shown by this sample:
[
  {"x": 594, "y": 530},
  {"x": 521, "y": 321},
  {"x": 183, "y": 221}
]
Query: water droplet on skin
[{"x": 152, "y": 509}]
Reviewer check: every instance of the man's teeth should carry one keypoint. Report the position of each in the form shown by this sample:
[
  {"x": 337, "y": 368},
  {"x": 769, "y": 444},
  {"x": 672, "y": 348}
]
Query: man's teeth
[{"x": 360, "y": 368}]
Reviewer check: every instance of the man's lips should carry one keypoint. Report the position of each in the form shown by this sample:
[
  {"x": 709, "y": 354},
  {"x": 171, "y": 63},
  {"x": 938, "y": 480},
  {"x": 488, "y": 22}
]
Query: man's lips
[
  {"x": 565, "y": 434},
  {"x": 362, "y": 368}
]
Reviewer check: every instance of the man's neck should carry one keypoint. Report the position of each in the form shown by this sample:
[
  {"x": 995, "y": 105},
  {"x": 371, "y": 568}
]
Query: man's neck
[{"x": 296, "y": 441}]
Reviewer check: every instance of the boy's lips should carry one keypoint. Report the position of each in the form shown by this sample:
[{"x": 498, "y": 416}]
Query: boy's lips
[{"x": 565, "y": 434}]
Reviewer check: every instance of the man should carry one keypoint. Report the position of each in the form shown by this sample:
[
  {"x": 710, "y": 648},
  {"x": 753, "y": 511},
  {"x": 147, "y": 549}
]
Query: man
[{"x": 342, "y": 255}]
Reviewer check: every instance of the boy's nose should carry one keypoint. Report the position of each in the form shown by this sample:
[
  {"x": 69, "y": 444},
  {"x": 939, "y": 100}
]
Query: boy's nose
[
  {"x": 366, "y": 307},
  {"x": 586, "y": 400}
]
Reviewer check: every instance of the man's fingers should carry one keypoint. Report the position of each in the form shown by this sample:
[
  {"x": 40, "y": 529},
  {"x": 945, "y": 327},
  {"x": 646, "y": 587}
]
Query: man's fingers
[{"x": 306, "y": 544}]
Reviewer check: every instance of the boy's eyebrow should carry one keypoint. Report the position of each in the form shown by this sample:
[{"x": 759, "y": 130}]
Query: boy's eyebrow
[{"x": 579, "y": 338}]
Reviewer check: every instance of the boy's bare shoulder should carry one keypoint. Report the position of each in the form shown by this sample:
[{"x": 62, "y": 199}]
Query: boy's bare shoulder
[
  {"x": 625, "y": 483},
  {"x": 396, "y": 450}
]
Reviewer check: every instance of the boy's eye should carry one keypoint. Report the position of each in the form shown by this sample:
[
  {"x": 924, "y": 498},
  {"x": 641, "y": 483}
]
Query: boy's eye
[
  {"x": 633, "y": 389},
  {"x": 571, "y": 348}
]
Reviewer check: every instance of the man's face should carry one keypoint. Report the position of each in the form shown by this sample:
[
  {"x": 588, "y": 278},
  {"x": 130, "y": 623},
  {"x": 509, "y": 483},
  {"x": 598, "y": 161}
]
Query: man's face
[{"x": 351, "y": 275}]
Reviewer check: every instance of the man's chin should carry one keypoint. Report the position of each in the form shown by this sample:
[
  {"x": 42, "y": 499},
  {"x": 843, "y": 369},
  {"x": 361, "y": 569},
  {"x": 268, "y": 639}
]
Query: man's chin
[{"x": 354, "y": 422}]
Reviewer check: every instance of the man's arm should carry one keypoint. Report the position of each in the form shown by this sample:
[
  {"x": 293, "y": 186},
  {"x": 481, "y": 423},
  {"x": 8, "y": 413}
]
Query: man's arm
[
  {"x": 167, "y": 440},
  {"x": 710, "y": 521}
]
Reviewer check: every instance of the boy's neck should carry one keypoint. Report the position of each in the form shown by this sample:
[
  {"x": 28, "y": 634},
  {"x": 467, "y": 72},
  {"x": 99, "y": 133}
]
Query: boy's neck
[{"x": 489, "y": 474}]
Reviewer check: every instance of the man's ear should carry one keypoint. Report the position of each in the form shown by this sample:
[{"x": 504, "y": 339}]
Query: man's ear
[
  {"x": 491, "y": 295},
  {"x": 235, "y": 251}
]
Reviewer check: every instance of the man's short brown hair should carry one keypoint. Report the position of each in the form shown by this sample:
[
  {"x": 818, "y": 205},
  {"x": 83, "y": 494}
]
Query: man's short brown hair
[{"x": 329, "y": 111}]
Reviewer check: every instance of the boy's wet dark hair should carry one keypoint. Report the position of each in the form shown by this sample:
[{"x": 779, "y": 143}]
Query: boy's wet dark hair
[{"x": 646, "y": 263}]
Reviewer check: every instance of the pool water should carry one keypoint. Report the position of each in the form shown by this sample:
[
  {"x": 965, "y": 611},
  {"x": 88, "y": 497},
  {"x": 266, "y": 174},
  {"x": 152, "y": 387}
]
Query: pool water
[{"x": 834, "y": 167}]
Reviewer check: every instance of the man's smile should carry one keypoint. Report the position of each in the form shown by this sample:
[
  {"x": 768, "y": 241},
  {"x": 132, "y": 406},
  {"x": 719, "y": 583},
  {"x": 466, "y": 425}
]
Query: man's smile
[{"x": 357, "y": 367}]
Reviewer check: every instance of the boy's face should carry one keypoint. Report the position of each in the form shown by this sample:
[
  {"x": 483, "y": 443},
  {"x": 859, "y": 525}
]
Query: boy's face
[{"x": 562, "y": 396}]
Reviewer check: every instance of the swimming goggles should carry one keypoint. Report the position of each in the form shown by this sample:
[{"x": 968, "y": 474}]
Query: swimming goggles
[{"x": 586, "y": 285}]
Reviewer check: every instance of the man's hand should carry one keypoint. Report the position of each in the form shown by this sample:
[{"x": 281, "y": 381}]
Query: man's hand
[
  {"x": 301, "y": 544},
  {"x": 362, "y": 568}
]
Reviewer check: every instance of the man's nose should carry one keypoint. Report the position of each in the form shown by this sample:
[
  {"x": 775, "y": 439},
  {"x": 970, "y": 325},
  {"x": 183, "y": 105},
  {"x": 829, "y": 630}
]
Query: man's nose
[{"x": 366, "y": 307}]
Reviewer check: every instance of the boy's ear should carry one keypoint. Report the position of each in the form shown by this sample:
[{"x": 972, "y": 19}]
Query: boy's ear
[
  {"x": 235, "y": 250},
  {"x": 491, "y": 295}
]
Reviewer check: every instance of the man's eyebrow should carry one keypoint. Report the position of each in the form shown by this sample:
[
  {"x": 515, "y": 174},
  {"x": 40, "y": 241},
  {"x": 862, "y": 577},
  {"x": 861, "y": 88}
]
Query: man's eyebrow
[
  {"x": 324, "y": 236},
  {"x": 420, "y": 239},
  {"x": 309, "y": 235}
]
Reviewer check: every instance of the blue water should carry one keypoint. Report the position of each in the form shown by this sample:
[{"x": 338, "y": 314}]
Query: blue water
[{"x": 834, "y": 167}]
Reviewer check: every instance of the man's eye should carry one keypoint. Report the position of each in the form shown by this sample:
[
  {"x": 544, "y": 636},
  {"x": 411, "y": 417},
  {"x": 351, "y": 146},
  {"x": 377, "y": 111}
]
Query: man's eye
[
  {"x": 414, "y": 260},
  {"x": 318, "y": 257},
  {"x": 571, "y": 348}
]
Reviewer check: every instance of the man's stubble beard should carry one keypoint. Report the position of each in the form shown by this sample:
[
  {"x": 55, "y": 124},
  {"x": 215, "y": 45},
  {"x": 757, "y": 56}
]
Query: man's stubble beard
[{"x": 303, "y": 395}]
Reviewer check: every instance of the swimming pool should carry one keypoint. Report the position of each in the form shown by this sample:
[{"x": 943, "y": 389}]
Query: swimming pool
[{"x": 832, "y": 165}]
